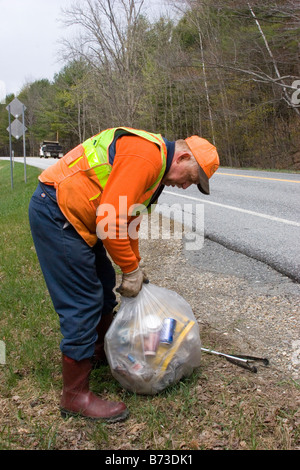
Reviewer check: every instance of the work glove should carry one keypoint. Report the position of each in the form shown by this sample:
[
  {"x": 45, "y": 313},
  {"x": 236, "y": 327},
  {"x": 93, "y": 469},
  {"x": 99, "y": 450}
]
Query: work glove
[
  {"x": 145, "y": 277},
  {"x": 132, "y": 283}
]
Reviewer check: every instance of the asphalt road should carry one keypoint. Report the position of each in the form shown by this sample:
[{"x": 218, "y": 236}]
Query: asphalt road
[{"x": 255, "y": 213}]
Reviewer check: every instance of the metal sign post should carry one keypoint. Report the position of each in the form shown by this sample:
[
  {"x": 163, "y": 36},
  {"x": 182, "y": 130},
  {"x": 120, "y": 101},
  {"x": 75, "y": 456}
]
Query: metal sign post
[
  {"x": 16, "y": 108},
  {"x": 24, "y": 145}
]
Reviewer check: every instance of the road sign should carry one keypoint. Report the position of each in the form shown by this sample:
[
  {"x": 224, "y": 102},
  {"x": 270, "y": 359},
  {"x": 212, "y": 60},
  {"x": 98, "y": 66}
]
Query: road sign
[
  {"x": 17, "y": 129},
  {"x": 15, "y": 107}
]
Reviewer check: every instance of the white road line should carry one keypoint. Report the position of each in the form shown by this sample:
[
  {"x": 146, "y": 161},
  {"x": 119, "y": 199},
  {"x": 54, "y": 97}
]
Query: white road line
[{"x": 257, "y": 214}]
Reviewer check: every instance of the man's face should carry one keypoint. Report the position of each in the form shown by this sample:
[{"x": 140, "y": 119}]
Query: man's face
[{"x": 182, "y": 174}]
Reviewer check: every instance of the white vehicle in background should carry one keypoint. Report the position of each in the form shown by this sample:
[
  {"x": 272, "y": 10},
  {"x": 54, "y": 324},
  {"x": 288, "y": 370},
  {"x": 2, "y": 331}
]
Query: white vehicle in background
[{"x": 51, "y": 149}]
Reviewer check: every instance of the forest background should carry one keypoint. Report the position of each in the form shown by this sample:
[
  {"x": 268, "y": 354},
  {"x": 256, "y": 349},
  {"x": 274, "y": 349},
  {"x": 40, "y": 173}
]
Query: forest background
[{"x": 228, "y": 71}]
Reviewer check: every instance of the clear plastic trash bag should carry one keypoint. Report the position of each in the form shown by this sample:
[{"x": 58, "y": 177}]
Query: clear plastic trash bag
[{"x": 153, "y": 341}]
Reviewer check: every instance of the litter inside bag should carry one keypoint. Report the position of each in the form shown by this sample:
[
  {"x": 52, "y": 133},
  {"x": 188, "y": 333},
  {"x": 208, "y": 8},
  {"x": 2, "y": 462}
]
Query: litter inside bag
[{"x": 153, "y": 341}]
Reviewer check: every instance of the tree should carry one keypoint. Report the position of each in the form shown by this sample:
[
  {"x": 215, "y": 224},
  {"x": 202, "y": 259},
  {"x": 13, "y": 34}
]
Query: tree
[
  {"x": 4, "y": 135},
  {"x": 250, "y": 59},
  {"x": 111, "y": 42},
  {"x": 33, "y": 95},
  {"x": 71, "y": 98}
]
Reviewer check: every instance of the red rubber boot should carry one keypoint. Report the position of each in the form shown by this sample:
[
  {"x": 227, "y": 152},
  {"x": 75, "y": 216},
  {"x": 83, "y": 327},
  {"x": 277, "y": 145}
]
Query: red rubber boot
[{"x": 77, "y": 399}]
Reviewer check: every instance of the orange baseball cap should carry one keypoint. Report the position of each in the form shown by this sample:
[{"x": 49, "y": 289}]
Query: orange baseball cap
[{"x": 207, "y": 157}]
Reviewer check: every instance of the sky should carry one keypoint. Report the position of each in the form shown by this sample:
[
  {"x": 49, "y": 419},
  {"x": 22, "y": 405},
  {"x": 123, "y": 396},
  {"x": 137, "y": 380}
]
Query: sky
[{"x": 30, "y": 31}]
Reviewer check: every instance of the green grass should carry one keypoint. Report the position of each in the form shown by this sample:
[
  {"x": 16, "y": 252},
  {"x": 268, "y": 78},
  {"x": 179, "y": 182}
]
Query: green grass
[
  {"x": 217, "y": 407},
  {"x": 27, "y": 316}
]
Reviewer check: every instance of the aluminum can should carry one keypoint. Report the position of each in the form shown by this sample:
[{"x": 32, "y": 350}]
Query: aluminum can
[
  {"x": 152, "y": 323},
  {"x": 167, "y": 332},
  {"x": 151, "y": 342},
  {"x": 136, "y": 366}
]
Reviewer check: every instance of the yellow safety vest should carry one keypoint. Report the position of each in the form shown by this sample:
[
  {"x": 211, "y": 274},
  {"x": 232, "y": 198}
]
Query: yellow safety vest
[{"x": 81, "y": 175}]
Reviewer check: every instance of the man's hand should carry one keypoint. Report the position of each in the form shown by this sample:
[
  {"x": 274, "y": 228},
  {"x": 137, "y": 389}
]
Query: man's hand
[{"x": 131, "y": 283}]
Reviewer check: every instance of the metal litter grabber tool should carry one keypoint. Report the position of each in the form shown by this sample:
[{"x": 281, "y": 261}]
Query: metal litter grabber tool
[{"x": 240, "y": 360}]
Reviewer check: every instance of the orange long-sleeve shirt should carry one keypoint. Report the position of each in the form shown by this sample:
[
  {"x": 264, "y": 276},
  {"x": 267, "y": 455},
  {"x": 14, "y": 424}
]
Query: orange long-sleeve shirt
[{"x": 136, "y": 167}]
